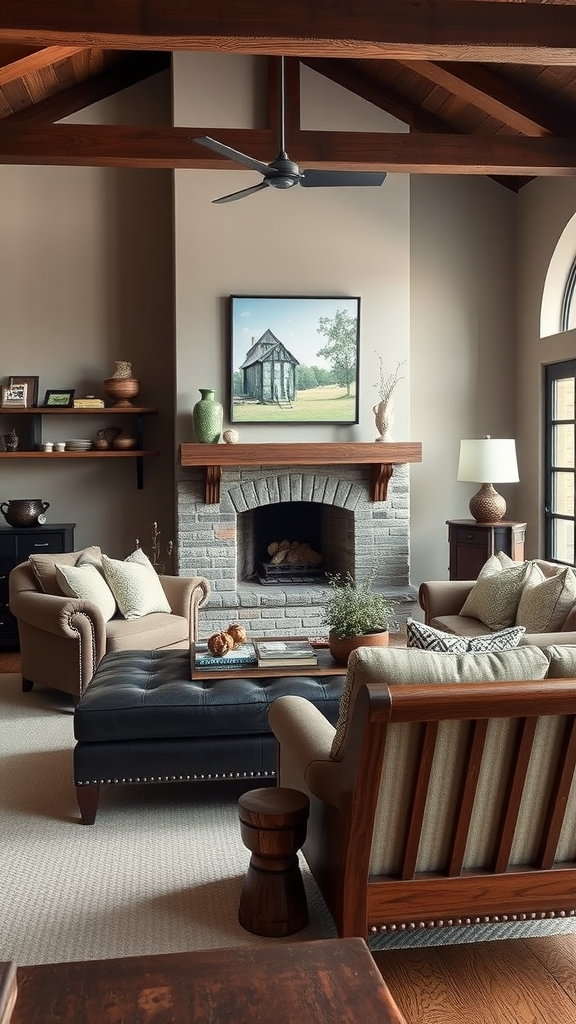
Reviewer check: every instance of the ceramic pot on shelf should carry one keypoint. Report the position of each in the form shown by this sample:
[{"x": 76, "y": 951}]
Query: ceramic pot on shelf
[{"x": 207, "y": 416}]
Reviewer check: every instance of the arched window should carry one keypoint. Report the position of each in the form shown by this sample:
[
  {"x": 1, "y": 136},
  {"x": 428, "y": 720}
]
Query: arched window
[{"x": 568, "y": 306}]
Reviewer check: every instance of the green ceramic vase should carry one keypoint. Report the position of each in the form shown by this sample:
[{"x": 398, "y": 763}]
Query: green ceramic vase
[{"x": 207, "y": 418}]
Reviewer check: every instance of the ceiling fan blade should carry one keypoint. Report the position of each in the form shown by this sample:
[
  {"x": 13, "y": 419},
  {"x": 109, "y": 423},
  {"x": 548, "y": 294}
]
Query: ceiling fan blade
[
  {"x": 243, "y": 192},
  {"x": 339, "y": 179},
  {"x": 232, "y": 154}
]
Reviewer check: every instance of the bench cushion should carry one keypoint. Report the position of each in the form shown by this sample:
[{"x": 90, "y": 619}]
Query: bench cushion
[{"x": 140, "y": 695}]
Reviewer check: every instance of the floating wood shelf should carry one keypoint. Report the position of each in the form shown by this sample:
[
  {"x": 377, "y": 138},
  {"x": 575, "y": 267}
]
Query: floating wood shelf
[{"x": 382, "y": 456}]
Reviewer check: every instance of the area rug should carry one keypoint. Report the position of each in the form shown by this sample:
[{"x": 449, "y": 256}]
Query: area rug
[{"x": 160, "y": 871}]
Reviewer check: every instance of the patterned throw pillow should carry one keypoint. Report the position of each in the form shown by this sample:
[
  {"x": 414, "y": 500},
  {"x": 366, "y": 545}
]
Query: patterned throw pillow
[
  {"x": 546, "y": 600},
  {"x": 495, "y": 596},
  {"x": 86, "y": 582},
  {"x": 425, "y": 638},
  {"x": 135, "y": 585}
]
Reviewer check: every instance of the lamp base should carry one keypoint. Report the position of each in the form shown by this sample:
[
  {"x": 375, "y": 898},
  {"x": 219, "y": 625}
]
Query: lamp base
[{"x": 487, "y": 506}]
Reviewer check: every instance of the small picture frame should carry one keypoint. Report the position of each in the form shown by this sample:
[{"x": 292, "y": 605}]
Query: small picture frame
[
  {"x": 61, "y": 397},
  {"x": 32, "y": 384},
  {"x": 14, "y": 395}
]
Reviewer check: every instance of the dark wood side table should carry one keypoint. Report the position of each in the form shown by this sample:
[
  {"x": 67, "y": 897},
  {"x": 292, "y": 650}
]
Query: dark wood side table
[
  {"x": 322, "y": 982},
  {"x": 472, "y": 544},
  {"x": 273, "y": 828}
]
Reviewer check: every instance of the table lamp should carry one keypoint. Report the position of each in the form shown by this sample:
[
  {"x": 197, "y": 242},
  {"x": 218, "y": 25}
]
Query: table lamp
[{"x": 488, "y": 459}]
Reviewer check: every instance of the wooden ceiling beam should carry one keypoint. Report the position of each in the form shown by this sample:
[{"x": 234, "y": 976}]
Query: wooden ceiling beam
[
  {"x": 135, "y": 68},
  {"x": 35, "y": 62},
  {"x": 486, "y": 91},
  {"x": 459, "y": 30},
  {"x": 145, "y": 146},
  {"x": 346, "y": 74}
]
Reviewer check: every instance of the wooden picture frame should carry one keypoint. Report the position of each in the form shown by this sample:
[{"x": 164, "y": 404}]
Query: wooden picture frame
[
  {"x": 32, "y": 386},
  {"x": 59, "y": 397},
  {"x": 14, "y": 396},
  {"x": 294, "y": 359}
]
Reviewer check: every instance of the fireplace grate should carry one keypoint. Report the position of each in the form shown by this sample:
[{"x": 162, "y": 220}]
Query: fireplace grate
[{"x": 290, "y": 575}]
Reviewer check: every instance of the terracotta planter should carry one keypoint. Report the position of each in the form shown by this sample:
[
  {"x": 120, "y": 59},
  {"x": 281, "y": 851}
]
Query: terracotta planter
[{"x": 341, "y": 649}]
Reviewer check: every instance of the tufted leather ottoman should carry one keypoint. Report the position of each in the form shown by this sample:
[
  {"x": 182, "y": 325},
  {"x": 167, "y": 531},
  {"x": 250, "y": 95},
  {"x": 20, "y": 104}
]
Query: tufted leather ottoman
[{"x": 142, "y": 719}]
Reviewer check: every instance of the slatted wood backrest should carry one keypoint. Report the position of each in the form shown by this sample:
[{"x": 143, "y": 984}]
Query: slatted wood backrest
[{"x": 453, "y": 778}]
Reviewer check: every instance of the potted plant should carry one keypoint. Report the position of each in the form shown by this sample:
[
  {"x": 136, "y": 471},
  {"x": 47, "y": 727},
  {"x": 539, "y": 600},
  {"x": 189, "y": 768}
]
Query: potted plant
[{"x": 356, "y": 615}]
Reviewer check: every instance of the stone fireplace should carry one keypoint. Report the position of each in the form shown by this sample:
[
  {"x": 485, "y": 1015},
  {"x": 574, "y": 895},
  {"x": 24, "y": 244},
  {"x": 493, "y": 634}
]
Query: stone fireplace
[{"x": 233, "y": 501}]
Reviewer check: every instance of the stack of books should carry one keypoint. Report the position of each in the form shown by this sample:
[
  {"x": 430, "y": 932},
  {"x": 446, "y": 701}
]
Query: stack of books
[
  {"x": 285, "y": 653},
  {"x": 241, "y": 657}
]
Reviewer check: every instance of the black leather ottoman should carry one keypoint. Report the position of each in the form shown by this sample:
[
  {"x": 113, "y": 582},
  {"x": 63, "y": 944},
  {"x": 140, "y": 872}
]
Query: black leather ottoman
[{"x": 142, "y": 719}]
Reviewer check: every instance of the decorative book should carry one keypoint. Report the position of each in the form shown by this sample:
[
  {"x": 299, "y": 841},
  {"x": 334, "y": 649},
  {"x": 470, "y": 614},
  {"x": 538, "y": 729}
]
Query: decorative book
[
  {"x": 240, "y": 657},
  {"x": 88, "y": 403},
  {"x": 285, "y": 652}
]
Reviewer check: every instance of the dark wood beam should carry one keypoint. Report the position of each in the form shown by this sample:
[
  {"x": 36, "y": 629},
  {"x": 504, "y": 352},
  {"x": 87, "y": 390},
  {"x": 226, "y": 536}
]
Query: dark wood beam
[
  {"x": 461, "y": 30},
  {"x": 144, "y": 146},
  {"x": 135, "y": 67},
  {"x": 486, "y": 91}
]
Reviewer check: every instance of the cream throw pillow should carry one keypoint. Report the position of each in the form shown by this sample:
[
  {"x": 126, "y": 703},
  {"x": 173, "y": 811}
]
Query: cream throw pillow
[
  {"x": 546, "y": 600},
  {"x": 495, "y": 596},
  {"x": 135, "y": 585},
  {"x": 86, "y": 582},
  {"x": 45, "y": 573}
]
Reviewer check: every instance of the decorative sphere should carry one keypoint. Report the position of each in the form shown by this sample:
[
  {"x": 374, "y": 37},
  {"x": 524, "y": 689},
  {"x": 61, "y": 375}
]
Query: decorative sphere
[
  {"x": 238, "y": 633},
  {"x": 231, "y": 436},
  {"x": 220, "y": 643}
]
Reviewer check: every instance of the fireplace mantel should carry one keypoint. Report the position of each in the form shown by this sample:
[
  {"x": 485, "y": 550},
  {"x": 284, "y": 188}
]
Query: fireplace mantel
[{"x": 382, "y": 455}]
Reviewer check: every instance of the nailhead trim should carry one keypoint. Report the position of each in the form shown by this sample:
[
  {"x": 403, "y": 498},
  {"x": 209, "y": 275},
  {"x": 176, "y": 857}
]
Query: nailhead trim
[
  {"x": 410, "y": 926},
  {"x": 178, "y": 778}
]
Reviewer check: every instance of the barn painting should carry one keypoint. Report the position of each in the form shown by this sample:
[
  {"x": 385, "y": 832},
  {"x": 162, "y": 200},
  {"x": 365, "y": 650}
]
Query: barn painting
[
  {"x": 294, "y": 359},
  {"x": 269, "y": 371}
]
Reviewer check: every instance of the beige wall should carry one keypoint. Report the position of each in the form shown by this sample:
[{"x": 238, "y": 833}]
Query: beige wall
[
  {"x": 85, "y": 279},
  {"x": 462, "y": 279},
  {"x": 299, "y": 242}
]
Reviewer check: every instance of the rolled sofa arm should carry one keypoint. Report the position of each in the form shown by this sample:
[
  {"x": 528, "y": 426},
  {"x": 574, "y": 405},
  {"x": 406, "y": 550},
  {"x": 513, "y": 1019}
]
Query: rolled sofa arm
[
  {"x": 305, "y": 738},
  {"x": 443, "y": 597},
  {"x": 185, "y": 595}
]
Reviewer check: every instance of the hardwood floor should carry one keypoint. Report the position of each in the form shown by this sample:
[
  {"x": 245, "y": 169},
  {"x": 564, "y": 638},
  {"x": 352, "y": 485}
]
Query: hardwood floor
[
  {"x": 514, "y": 981},
  {"x": 9, "y": 661}
]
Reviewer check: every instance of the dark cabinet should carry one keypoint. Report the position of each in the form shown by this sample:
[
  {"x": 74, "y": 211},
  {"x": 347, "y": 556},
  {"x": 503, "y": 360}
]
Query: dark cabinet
[
  {"x": 15, "y": 546},
  {"x": 472, "y": 544}
]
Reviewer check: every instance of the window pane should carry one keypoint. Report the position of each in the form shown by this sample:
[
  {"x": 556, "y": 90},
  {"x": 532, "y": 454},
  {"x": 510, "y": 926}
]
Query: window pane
[
  {"x": 563, "y": 540},
  {"x": 563, "y": 445},
  {"x": 563, "y": 494},
  {"x": 563, "y": 399}
]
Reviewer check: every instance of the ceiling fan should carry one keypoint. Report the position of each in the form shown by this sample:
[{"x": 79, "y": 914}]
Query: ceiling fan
[{"x": 283, "y": 172}]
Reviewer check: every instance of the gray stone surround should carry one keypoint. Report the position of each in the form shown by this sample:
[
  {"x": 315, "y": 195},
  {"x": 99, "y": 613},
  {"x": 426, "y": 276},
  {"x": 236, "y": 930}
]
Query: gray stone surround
[{"x": 361, "y": 536}]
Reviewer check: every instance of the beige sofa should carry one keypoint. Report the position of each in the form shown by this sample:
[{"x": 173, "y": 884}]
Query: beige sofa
[
  {"x": 447, "y": 793},
  {"x": 442, "y": 601},
  {"x": 63, "y": 639}
]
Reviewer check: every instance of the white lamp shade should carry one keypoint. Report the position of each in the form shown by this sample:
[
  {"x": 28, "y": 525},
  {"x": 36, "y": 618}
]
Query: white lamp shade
[{"x": 488, "y": 460}]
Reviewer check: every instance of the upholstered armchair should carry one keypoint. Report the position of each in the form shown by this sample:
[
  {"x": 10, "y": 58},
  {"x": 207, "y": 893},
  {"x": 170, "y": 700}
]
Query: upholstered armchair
[
  {"x": 446, "y": 793},
  {"x": 63, "y": 637}
]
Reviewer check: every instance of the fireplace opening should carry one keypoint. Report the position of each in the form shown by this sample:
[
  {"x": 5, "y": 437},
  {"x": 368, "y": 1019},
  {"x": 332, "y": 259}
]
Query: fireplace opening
[{"x": 292, "y": 543}]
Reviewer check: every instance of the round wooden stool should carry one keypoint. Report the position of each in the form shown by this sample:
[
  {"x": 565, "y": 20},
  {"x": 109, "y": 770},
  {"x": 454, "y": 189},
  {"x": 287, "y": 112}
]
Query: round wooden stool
[{"x": 273, "y": 827}]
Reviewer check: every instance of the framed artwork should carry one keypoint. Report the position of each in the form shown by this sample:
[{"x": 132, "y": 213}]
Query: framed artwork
[
  {"x": 61, "y": 397},
  {"x": 14, "y": 395},
  {"x": 294, "y": 359},
  {"x": 32, "y": 386}
]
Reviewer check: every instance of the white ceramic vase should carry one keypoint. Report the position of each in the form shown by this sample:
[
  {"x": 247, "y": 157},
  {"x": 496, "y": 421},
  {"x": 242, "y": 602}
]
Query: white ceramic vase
[{"x": 384, "y": 419}]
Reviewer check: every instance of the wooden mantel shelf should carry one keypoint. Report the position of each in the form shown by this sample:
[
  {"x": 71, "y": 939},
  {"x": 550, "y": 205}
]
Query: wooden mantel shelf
[{"x": 383, "y": 456}]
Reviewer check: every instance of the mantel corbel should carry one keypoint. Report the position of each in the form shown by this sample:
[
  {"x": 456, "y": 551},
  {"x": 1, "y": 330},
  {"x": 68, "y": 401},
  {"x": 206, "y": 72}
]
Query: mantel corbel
[{"x": 382, "y": 455}]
